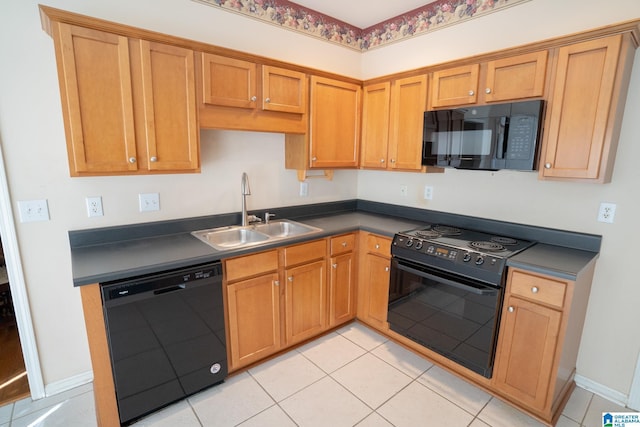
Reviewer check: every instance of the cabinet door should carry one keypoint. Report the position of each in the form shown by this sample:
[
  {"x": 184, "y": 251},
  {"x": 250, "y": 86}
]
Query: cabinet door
[
  {"x": 342, "y": 289},
  {"x": 305, "y": 301},
  {"x": 375, "y": 125},
  {"x": 284, "y": 90},
  {"x": 526, "y": 351},
  {"x": 408, "y": 104},
  {"x": 375, "y": 290},
  {"x": 168, "y": 87},
  {"x": 455, "y": 86},
  {"x": 254, "y": 319},
  {"x": 229, "y": 82},
  {"x": 517, "y": 77},
  {"x": 95, "y": 85},
  {"x": 578, "y": 130},
  {"x": 335, "y": 123}
]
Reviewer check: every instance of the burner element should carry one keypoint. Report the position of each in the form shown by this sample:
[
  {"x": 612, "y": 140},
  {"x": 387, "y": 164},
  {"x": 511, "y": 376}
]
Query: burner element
[
  {"x": 507, "y": 241},
  {"x": 445, "y": 230},
  {"x": 427, "y": 234},
  {"x": 486, "y": 246}
]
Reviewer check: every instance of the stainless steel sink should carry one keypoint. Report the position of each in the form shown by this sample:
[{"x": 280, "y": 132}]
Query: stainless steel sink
[{"x": 235, "y": 236}]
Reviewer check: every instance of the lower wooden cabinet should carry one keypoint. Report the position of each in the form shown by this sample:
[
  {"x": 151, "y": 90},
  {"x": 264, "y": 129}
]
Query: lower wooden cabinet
[
  {"x": 342, "y": 279},
  {"x": 373, "y": 289},
  {"x": 305, "y": 301}
]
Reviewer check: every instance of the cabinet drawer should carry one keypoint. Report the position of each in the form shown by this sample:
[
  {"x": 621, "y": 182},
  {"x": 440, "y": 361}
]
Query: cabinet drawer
[
  {"x": 342, "y": 244},
  {"x": 251, "y": 265},
  {"x": 305, "y": 252},
  {"x": 536, "y": 288},
  {"x": 379, "y": 245}
]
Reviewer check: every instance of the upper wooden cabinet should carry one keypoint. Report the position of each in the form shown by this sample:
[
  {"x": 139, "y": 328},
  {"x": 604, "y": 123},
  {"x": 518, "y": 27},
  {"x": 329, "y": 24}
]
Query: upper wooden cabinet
[
  {"x": 235, "y": 83},
  {"x": 333, "y": 138},
  {"x": 507, "y": 79},
  {"x": 129, "y": 105},
  {"x": 584, "y": 112},
  {"x": 392, "y": 124}
]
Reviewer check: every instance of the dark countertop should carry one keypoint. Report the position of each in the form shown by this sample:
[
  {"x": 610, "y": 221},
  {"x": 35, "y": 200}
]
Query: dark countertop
[{"x": 97, "y": 257}]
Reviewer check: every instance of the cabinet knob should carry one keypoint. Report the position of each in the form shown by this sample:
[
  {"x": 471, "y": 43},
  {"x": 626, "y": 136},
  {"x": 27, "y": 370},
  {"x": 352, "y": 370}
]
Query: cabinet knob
[
  {"x": 510, "y": 309},
  {"x": 267, "y": 100},
  {"x": 153, "y": 159},
  {"x": 393, "y": 160},
  {"x": 314, "y": 158},
  {"x": 386, "y": 269},
  {"x": 334, "y": 265},
  {"x": 290, "y": 278},
  {"x": 253, "y": 98},
  {"x": 534, "y": 289},
  {"x": 487, "y": 90},
  {"x": 276, "y": 282},
  {"x": 381, "y": 160},
  {"x": 344, "y": 244},
  {"x": 471, "y": 93},
  {"x": 132, "y": 159},
  {"x": 377, "y": 246},
  {"x": 547, "y": 165}
]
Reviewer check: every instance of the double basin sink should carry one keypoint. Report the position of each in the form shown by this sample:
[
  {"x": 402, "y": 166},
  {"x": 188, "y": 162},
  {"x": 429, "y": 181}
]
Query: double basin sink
[{"x": 236, "y": 237}]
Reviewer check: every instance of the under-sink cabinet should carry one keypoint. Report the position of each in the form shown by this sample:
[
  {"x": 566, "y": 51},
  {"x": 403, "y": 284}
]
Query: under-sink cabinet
[
  {"x": 507, "y": 79},
  {"x": 274, "y": 299},
  {"x": 129, "y": 105}
]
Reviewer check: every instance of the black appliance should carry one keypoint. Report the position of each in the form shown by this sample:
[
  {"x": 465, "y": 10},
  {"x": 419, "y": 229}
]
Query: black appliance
[
  {"x": 166, "y": 337},
  {"x": 446, "y": 289},
  {"x": 489, "y": 137}
]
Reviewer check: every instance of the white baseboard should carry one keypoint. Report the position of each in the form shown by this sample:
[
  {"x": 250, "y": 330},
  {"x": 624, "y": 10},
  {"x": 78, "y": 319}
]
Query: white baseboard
[
  {"x": 602, "y": 390},
  {"x": 68, "y": 383}
]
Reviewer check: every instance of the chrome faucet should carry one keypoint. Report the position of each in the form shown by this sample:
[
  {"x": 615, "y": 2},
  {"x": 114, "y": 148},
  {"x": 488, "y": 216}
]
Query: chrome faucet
[{"x": 245, "y": 190}]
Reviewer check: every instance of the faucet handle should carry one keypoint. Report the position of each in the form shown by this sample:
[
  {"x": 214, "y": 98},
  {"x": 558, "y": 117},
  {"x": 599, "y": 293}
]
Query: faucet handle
[
  {"x": 267, "y": 217},
  {"x": 253, "y": 218}
]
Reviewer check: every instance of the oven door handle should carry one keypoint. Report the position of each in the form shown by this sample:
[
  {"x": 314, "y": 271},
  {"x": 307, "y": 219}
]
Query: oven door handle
[{"x": 486, "y": 291}]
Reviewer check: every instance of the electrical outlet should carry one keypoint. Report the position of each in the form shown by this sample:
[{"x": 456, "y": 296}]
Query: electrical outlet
[
  {"x": 404, "y": 190},
  {"x": 94, "y": 206},
  {"x": 33, "y": 210},
  {"x": 607, "y": 212},
  {"x": 304, "y": 189},
  {"x": 149, "y": 202},
  {"x": 428, "y": 192}
]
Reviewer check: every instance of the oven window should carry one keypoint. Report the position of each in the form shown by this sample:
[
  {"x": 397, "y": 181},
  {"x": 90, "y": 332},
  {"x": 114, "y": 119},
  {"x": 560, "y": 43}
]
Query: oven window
[{"x": 459, "y": 322}]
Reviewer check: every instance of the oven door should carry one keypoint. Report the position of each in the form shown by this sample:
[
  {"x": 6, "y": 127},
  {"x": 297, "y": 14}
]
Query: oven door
[{"x": 451, "y": 315}]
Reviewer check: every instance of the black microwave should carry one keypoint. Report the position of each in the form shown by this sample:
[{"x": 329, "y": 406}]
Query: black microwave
[{"x": 488, "y": 137}]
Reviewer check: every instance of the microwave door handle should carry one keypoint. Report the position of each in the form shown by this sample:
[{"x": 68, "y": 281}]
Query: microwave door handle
[
  {"x": 503, "y": 137},
  {"x": 485, "y": 291}
]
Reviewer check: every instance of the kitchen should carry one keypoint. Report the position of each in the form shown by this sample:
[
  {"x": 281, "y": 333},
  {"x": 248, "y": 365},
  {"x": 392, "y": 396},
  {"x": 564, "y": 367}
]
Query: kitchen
[{"x": 38, "y": 169}]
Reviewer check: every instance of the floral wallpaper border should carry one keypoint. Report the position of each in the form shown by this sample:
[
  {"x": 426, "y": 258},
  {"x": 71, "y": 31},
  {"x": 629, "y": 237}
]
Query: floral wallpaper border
[{"x": 430, "y": 17}]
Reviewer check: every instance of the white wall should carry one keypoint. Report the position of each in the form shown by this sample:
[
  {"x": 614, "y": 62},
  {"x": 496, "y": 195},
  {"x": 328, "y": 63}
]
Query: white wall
[{"x": 32, "y": 138}]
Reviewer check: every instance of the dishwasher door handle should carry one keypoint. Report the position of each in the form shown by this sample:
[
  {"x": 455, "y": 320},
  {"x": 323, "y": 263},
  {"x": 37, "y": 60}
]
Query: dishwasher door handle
[{"x": 169, "y": 289}]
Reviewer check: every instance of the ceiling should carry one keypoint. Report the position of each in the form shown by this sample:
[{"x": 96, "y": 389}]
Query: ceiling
[{"x": 363, "y": 13}]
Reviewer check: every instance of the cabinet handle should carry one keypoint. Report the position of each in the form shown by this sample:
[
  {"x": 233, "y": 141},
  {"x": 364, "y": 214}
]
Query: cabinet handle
[
  {"x": 267, "y": 100},
  {"x": 276, "y": 282},
  {"x": 253, "y": 98},
  {"x": 377, "y": 246},
  {"x": 334, "y": 265},
  {"x": 153, "y": 159},
  {"x": 510, "y": 309},
  {"x": 471, "y": 93},
  {"x": 290, "y": 278},
  {"x": 132, "y": 159},
  {"x": 547, "y": 165},
  {"x": 534, "y": 289},
  {"x": 487, "y": 90}
]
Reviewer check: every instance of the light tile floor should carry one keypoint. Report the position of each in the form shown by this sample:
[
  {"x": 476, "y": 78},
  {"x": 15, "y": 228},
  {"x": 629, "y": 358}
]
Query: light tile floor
[{"x": 351, "y": 377}]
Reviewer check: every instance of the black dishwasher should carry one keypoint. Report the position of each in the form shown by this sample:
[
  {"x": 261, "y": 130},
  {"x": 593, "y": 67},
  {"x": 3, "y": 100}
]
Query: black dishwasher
[{"x": 166, "y": 337}]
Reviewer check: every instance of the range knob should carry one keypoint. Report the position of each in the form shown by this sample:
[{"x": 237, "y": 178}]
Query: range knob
[
  {"x": 466, "y": 257},
  {"x": 479, "y": 260},
  {"x": 419, "y": 244},
  {"x": 409, "y": 243}
]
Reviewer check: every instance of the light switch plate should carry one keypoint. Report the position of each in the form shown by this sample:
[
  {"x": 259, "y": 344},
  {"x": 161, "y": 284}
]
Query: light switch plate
[
  {"x": 149, "y": 202},
  {"x": 33, "y": 210}
]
